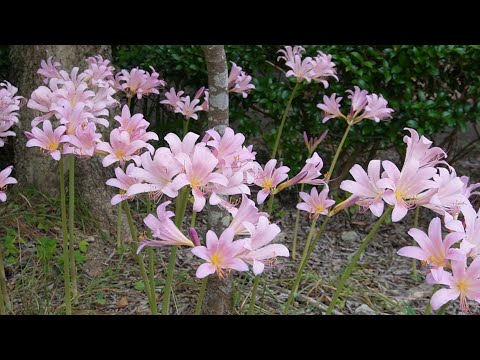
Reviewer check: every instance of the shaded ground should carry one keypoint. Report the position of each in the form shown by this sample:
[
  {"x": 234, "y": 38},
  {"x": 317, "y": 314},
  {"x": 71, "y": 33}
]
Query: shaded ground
[{"x": 110, "y": 282}]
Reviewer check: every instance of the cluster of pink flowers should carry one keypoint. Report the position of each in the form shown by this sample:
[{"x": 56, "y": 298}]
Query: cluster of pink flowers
[
  {"x": 223, "y": 254},
  {"x": 318, "y": 68},
  {"x": 76, "y": 102},
  {"x": 239, "y": 81},
  {"x": 374, "y": 107},
  {"x": 138, "y": 82},
  {"x": 9, "y": 105},
  {"x": 212, "y": 169},
  {"x": 183, "y": 105},
  {"x": 427, "y": 180}
]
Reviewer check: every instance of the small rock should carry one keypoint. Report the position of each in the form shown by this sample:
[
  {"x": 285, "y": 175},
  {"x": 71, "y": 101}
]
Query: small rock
[
  {"x": 364, "y": 310},
  {"x": 123, "y": 302},
  {"x": 349, "y": 236}
]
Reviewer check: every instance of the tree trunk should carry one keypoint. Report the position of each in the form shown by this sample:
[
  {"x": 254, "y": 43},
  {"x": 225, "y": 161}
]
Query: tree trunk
[
  {"x": 219, "y": 294},
  {"x": 32, "y": 167}
]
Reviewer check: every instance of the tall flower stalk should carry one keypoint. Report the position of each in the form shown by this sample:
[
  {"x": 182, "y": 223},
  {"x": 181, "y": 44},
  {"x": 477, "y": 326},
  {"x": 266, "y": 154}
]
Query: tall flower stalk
[
  {"x": 4, "y": 299},
  {"x": 151, "y": 258},
  {"x": 139, "y": 258},
  {"x": 71, "y": 224},
  {"x": 201, "y": 296},
  {"x": 351, "y": 266},
  {"x": 253, "y": 299},
  {"x": 66, "y": 253},
  {"x": 284, "y": 118},
  {"x": 181, "y": 205}
]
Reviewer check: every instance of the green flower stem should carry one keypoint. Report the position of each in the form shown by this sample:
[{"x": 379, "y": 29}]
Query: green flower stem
[
  {"x": 4, "y": 301},
  {"x": 284, "y": 118},
  {"x": 185, "y": 126},
  {"x": 119, "y": 226},
  {"x": 415, "y": 225},
  {"x": 270, "y": 204},
  {"x": 443, "y": 309},
  {"x": 303, "y": 262},
  {"x": 181, "y": 205},
  {"x": 201, "y": 296},
  {"x": 194, "y": 219},
  {"x": 348, "y": 271},
  {"x": 254, "y": 295},
  {"x": 139, "y": 258},
  {"x": 428, "y": 308},
  {"x": 151, "y": 259},
  {"x": 66, "y": 254},
  {"x": 71, "y": 225},
  {"x": 295, "y": 229},
  {"x": 337, "y": 153}
]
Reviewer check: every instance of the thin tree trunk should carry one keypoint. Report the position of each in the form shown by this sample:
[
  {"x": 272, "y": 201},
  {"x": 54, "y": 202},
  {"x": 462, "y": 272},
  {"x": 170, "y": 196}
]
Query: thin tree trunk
[
  {"x": 219, "y": 294},
  {"x": 32, "y": 167}
]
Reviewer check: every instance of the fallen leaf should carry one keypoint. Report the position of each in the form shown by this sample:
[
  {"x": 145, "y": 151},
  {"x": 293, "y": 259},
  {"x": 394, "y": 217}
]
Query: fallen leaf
[{"x": 123, "y": 302}]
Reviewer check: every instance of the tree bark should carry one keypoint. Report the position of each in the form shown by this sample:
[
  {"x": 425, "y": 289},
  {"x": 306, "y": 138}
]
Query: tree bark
[
  {"x": 32, "y": 167},
  {"x": 219, "y": 293}
]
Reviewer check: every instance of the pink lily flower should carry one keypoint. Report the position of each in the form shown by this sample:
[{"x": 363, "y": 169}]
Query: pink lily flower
[
  {"x": 467, "y": 190},
  {"x": 235, "y": 186},
  {"x": 199, "y": 174},
  {"x": 72, "y": 117},
  {"x": 5, "y": 180},
  {"x": 268, "y": 178},
  {"x": 463, "y": 282},
  {"x": 313, "y": 168},
  {"x": 42, "y": 100},
  {"x": 448, "y": 196},
  {"x": 300, "y": 69},
  {"x": 227, "y": 148},
  {"x": 204, "y": 105},
  {"x": 187, "y": 108},
  {"x": 366, "y": 188},
  {"x": 156, "y": 174},
  {"x": 172, "y": 98},
  {"x": 434, "y": 250},
  {"x": 123, "y": 181},
  {"x": 419, "y": 149},
  {"x": 331, "y": 106},
  {"x": 314, "y": 203},
  {"x": 4, "y": 133},
  {"x": 407, "y": 188},
  {"x": 84, "y": 141},
  {"x": 289, "y": 53},
  {"x": 359, "y": 100},
  {"x": 376, "y": 108},
  {"x": 99, "y": 72},
  {"x": 239, "y": 81},
  {"x": 74, "y": 93},
  {"x": 47, "y": 139},
  {"x": 220, "y": 254},
  {"x": 470, "y": 229},
  {"x": 120, "y": 148},
  {"x": 49, "y": 69},
  {"x": 9, "y": 103},
  {"x": 164, "y": 229},
  {"x": 323, "y": 67},
  {"x": 136, "y": 126},
  {"x": 258, "y": 250},
  {"x": 185, "y": 146},
  {"x": 246, "y": 212},
  {"x": 138, "y": 82}
]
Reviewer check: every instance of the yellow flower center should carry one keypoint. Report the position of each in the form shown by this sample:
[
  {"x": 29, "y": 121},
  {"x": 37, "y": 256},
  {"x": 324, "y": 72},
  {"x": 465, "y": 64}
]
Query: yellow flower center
[
  {"x": 462, "y": 286},
  {"x": 194, "y": 182},
  {"x": 319, "y": 209},
  {"x": 267, "y": 184},
  {"x": 52, "y": 146},
  {"x": 120, "y": 154},
  {"x": 216, "y": 261},
  {"x": 399, "y": 195},
  {"x": 435, "y": 261}
]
